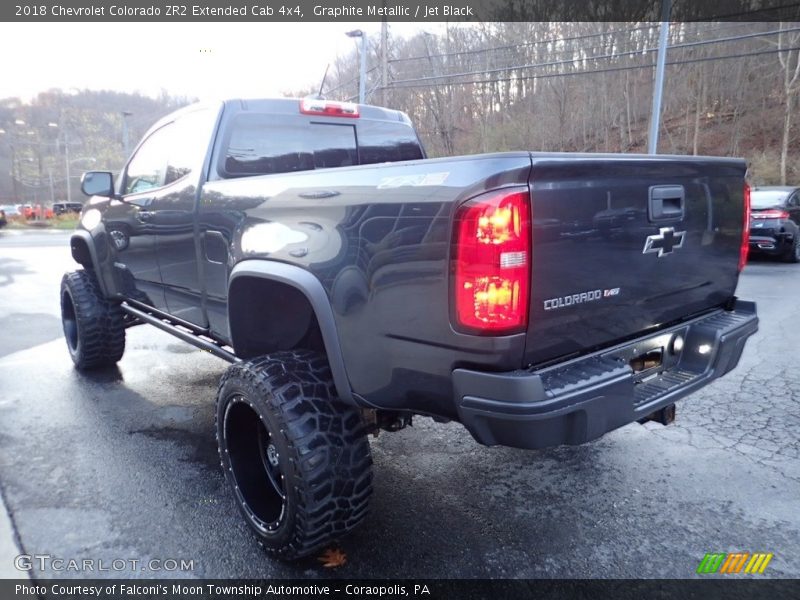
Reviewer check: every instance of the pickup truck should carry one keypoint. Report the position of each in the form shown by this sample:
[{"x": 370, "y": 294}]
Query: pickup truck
[{"x": 536, "y": 298}]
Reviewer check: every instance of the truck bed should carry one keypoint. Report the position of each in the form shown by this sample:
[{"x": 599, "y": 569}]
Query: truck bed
[{"x": 378, "y": 238}]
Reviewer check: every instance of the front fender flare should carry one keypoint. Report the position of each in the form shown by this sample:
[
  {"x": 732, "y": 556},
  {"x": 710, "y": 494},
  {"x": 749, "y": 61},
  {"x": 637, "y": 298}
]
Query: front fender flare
[{"x": 79, "y": 239}]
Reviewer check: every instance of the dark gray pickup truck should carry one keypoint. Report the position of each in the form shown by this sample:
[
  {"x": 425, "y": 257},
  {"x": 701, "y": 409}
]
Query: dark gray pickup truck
[{"x": 538, "y": 299}]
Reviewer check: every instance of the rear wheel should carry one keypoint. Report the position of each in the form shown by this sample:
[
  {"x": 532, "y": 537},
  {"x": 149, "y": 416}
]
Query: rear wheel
[
  {"x": 296, "y": 457},
  {"x": 94, "y": 327},
  {"x": 793, "y": 254}
]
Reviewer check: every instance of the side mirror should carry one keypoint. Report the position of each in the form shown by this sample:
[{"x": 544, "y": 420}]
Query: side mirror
[{"x": 97, "y": 183}]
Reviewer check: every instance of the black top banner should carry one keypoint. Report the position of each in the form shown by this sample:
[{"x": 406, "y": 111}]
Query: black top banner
[{"x": 399, "y": 10}]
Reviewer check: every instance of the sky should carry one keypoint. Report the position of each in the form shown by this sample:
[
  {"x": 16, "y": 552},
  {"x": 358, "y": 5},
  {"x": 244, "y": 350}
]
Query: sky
[{"x": 202, "y": 60}]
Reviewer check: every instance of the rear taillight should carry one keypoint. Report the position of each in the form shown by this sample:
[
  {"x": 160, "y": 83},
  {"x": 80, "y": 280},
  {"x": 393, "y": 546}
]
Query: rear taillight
[
  {"x": 745, "y": 245},
  {"x": 491, "y": 263},
  {"x": 327, "y": 108},
  {"x": 772, "y": 213}
]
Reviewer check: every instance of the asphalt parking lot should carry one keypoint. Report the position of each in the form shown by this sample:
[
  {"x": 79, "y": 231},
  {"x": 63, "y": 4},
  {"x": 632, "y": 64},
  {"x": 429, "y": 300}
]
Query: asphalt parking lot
[{"x": 123, "y": 464}]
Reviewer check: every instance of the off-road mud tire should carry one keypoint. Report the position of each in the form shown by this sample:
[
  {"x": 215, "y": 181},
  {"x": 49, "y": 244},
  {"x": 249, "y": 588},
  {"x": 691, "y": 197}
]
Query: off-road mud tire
[
  {"x": 278, "y": 420},
  {"x": 94, "y": 326}
]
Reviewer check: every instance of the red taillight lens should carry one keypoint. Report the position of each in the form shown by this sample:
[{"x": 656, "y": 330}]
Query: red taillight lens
[
  {"x": 772, "y": 213},
  {"x": 491, "y": 262},
  {"x": 745, "y": 246},
  {"x": 327, "y": 108}
]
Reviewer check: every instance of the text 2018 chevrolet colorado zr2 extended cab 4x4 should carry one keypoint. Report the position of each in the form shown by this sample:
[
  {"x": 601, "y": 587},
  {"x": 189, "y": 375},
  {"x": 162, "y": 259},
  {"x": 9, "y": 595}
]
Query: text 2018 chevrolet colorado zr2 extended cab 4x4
[{"x": 536, "y": 298}]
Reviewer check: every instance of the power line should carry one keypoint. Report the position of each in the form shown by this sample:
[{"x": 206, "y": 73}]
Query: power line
[
  {"x": 597, "y": 71},
  {"x": 642, "y": 51},
  {"x": 525, "y": 44},
  {"x": 348, "y": 82},
  {"x": 495, "y": 49},
  {"x": 510, "y": 54}
]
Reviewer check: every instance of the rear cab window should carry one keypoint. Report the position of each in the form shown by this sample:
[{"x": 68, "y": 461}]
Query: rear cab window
[
  {"x": 380, "y": 141},
  {"x": 266, "y": 144},
  {"x": 263, "y": 143}
]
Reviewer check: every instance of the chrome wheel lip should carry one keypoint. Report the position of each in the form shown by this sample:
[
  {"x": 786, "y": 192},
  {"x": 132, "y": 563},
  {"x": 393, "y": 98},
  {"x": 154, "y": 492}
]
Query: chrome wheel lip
[{"x": 276, "y": 481}]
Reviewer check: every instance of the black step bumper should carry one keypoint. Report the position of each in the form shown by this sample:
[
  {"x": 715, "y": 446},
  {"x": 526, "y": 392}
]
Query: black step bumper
[{"x": 584, "y": 398}]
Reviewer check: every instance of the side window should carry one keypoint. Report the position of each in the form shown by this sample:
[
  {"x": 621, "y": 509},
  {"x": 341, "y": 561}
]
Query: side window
[
  {"x": 171, "y": 152},
  {"x": 148, "y": 166},
  {"x": 189, "y": 139}
]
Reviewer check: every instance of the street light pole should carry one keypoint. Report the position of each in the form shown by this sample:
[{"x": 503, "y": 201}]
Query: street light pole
[
  {"x": 125, "y": 144},
  {"x": 658, "y": 84},
  {"x": 362, "y": 75},
  {"x": 13, "y": 172},
  {"x": 66, "y": 164},
  {"x": 384, "y": 59},
  {"x": 63, "y": 132}
]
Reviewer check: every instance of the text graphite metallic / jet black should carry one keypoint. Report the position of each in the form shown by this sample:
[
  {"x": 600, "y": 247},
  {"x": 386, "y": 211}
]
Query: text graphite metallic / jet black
[{"x": 536, "y": 298}]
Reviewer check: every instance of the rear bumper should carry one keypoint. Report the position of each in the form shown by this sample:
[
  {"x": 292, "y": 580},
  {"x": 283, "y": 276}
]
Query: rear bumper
[
  {"x": 779, "y": 244},
  {"x": 582, "y": 399}
]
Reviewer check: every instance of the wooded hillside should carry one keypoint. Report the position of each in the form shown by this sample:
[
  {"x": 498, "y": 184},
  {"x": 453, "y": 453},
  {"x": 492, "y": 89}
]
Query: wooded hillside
[{"x": 730, "y": 89}]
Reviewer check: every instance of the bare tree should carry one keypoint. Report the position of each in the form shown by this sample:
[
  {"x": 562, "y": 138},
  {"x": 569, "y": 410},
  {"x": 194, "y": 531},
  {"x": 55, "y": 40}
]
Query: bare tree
[
  {"x": 789, "y": 58},
  {"x": 586, "y": 86}
]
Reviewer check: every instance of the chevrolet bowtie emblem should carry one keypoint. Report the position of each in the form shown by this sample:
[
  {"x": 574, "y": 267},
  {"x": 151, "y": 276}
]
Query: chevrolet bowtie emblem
[{"x": 665, "y": 242}]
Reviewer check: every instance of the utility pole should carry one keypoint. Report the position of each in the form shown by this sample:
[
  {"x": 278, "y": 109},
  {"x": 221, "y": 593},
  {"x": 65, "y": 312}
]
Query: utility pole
[
  {"x": 384, "y": 60},
  {"x": 658, "y": 86}
]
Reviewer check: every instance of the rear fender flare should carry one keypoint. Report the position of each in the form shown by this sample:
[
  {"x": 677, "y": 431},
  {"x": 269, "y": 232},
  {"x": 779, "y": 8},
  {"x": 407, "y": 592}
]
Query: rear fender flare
[{"x": 312, "y": 289}]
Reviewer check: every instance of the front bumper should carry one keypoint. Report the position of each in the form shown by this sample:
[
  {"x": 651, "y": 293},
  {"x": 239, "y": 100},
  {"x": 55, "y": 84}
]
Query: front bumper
[{"x": 584, "y": 398}]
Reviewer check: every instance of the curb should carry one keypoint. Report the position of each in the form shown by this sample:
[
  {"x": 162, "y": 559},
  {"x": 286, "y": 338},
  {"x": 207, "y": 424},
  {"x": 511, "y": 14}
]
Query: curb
[{"x": 8, "y": 546}]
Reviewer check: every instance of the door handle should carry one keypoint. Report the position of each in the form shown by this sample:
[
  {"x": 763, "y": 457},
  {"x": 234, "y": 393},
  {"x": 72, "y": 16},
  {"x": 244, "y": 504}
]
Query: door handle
[
  {"x": 318, "y": 195},
  {"x": 666, "y": 203}
]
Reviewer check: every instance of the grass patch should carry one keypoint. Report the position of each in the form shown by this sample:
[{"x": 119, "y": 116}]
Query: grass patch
[{"x": 65, "y": 222}]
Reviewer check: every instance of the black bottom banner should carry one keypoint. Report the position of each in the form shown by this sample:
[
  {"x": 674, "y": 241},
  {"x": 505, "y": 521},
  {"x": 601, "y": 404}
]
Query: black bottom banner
[{"x": 492, "y": 589}]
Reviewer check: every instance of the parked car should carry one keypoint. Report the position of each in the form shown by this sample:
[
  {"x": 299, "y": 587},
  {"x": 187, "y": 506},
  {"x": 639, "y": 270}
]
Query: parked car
[
  {"x": 60, "y": 208},
  {"x": 11, "y": 211},
  {"x": 775, "y": 222},
  {"x": 36, "y": 211},
  {"x": 3, "y": 221}
]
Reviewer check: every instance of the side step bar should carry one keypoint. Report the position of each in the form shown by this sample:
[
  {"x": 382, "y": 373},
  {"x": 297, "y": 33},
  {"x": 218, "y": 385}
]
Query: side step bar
[{"x": 181, "y": 329}]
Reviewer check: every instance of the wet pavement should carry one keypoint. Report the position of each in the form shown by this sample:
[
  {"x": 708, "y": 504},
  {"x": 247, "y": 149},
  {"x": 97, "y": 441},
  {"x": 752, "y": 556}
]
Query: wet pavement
[{"x": 122, "y": 464}]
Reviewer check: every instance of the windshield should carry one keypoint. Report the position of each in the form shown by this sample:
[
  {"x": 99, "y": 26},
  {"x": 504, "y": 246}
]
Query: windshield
[{"x": 767, "y": 198}]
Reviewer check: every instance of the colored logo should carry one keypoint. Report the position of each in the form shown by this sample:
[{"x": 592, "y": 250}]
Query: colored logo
[{"x": 734, "y": 562}]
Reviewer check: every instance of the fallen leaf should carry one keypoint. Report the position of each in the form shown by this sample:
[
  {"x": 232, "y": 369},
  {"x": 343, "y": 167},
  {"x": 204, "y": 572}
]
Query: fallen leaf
[{"x": 332, "y": 558}]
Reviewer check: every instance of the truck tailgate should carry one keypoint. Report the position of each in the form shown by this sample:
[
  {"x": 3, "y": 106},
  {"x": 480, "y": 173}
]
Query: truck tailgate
[{"x": 627, "y": 244}]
